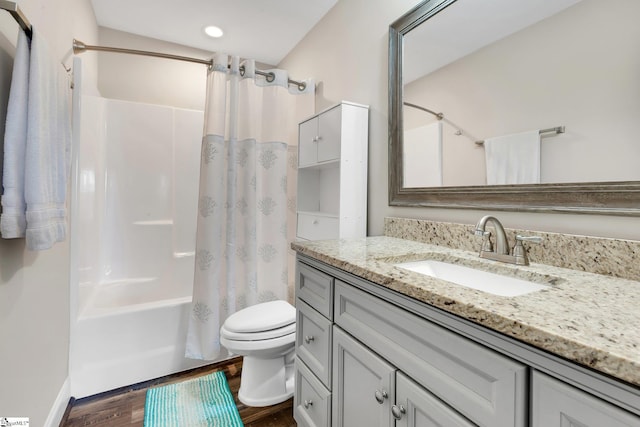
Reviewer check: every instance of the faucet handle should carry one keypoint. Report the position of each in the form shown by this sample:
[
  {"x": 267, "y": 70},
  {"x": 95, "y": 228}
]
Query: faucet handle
[
  {"x": 519, "y": 252},
  {"x": 530, "y": 239},
  {"x": 487, "y": 245}
]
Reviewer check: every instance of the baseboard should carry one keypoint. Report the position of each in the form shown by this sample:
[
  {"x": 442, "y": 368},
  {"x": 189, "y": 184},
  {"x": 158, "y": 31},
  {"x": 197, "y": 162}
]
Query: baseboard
[{"x": 59, "y": 406}]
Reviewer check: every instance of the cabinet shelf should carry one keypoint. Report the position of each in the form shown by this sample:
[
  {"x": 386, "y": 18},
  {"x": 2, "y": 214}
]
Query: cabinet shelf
[{"x": 329, "y": 164}]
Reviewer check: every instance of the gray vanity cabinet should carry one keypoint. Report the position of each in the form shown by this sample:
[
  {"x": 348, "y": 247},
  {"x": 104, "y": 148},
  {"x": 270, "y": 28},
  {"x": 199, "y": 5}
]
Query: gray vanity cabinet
[
  {"x": 557, "y": 404},
  {"x": 368, "y": 356}
]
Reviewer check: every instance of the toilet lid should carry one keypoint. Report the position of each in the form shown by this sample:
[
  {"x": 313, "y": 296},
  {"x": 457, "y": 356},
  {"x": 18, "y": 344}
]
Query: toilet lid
[
  {"x": 261, "y": 317},
  {"x": 259, "y": 336}
]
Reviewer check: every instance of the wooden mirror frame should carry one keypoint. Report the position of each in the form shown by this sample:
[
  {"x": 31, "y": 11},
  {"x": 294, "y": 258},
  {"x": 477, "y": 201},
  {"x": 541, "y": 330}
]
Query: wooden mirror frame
[{"x": 609, "y": 198}]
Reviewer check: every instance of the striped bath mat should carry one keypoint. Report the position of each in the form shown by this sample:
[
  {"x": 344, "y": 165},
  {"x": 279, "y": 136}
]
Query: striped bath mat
[{"x": 200, "y": 402}]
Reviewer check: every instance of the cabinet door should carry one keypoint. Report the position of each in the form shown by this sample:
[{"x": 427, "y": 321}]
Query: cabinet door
[
  {"x": 329, "y": 132},
  {"x": 557, "y": 404},
  {"x": 307, "y": 145},
  {"x": 363, "y": 385},
  {"x": 416, "y": 407}
]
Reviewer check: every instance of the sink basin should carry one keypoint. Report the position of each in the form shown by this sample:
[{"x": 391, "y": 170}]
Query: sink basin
[{"x": 492, "y": 283}]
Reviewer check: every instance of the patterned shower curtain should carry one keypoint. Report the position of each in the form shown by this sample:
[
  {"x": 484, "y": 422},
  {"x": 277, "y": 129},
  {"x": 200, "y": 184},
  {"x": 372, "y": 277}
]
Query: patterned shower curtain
[{"x": 246, "y": 207}]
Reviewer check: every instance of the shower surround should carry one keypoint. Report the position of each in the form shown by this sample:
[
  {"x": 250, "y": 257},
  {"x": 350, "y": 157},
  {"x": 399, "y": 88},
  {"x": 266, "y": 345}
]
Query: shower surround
[{"x": 133, "y": 222}]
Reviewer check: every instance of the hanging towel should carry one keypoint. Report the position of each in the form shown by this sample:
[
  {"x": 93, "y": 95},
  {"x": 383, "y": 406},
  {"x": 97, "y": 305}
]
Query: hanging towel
[
  {"x": 47, "y": 156},
  {"x": 513, "y": 159},
  {"x": 13, "y": 222},
  {"x": 422, "y": 156}
]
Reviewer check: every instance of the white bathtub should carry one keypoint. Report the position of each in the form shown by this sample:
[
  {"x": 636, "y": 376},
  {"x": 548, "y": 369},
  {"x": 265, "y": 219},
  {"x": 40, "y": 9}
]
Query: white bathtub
[{"x": 127, "y": 333}]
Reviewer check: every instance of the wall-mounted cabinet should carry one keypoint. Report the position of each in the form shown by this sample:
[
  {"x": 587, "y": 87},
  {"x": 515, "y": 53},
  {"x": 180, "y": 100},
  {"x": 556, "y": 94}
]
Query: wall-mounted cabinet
[{"x": 332, "y": 173}]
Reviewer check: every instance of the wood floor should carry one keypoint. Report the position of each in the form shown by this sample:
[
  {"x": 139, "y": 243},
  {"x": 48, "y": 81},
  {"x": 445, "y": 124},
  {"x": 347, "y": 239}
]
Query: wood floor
[{"x": 125, "y": 406}]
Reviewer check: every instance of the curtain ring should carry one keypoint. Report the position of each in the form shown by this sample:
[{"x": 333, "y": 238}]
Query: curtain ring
[
  {"x": 242, "y": 70},
  {"x": 271, "y": 77},
  {"x": 302, "y": 86}
]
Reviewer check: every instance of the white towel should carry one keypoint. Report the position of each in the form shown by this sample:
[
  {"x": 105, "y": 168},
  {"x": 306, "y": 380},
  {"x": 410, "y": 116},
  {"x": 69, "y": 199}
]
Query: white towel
[
  {"x": 422, "y": 156},
  {"x": 47, "y": 157},
  {"x": 513, "y": 159},
  {"x": 13, "y": 222}
]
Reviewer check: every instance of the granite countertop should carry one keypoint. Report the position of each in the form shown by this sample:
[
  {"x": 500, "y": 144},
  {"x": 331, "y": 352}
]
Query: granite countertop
[{"x": 588, "y": 318}]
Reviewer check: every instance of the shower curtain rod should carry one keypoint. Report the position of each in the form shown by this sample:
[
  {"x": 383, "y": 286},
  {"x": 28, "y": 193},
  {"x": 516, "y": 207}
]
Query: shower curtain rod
[
  {"x": 80, "y": 47},
  {"x": 440, "y": 116},
  {"x": 21, "y": 19}
]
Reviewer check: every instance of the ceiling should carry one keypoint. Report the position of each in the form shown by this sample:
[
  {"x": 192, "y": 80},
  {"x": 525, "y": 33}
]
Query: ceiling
[{"x": 265, "y": 30}]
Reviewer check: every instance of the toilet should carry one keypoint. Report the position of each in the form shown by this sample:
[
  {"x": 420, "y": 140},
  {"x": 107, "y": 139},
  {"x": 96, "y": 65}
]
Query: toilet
[{"x": 264, "y": 334}]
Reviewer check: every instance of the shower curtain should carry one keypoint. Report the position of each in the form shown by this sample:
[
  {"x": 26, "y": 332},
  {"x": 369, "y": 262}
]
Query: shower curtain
[{"x": 246, "y": 206}]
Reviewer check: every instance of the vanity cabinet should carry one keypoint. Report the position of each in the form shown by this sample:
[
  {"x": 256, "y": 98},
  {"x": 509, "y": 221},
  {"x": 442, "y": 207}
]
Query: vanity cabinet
[
  {"x": 332, "y": 173},
  {"x": 379, "y": 358}
]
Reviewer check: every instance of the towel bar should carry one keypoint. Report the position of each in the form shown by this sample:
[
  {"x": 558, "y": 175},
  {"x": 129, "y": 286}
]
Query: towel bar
[{"x": 556, "y": 130}]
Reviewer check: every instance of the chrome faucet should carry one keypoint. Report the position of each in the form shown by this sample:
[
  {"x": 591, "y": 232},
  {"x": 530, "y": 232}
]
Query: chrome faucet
[{"x": 502, "y": 253}]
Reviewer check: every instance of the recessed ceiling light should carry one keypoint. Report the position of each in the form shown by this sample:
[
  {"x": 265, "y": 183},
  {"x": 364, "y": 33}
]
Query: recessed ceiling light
[{"x": 213, "y": 31}]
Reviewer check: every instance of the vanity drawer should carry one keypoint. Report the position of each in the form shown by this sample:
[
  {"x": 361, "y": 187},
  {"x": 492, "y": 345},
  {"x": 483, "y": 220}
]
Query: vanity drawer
[
  {"x": 317, "y": 227},
  {"x": 315, "y": 288},
  {"x": 488, "y": 388},
  {"x": 311, "y": 400},
  {"x": 313, "y": 341}
]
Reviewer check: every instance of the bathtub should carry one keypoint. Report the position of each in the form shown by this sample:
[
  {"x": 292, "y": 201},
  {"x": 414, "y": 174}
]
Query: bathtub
[{"x": 128, "y": 331}]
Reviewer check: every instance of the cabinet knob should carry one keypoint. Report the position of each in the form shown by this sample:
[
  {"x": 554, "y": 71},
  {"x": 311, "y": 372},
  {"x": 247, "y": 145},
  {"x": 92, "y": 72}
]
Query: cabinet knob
[
  {"x": 381, "y": 395},
  {"x": 398, "y": 411},
  {"x": 309, "y": 338},
  {"x": 308, "y": 403}
]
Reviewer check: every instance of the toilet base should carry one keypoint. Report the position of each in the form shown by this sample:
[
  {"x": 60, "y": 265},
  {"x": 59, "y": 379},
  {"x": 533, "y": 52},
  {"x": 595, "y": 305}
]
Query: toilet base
[{"x": 266, "y": 382}]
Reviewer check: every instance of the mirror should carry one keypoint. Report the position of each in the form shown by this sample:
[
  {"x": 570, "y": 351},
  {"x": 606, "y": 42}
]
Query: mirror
[{"x": 462, "y": 71}]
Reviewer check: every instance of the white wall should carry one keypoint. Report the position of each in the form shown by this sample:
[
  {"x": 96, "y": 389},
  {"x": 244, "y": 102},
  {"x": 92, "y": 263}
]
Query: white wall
[
  {"x": 347, "y": 53},
  {"x": 151, "y": 80},
  {"x": 34, "y": 286}
]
